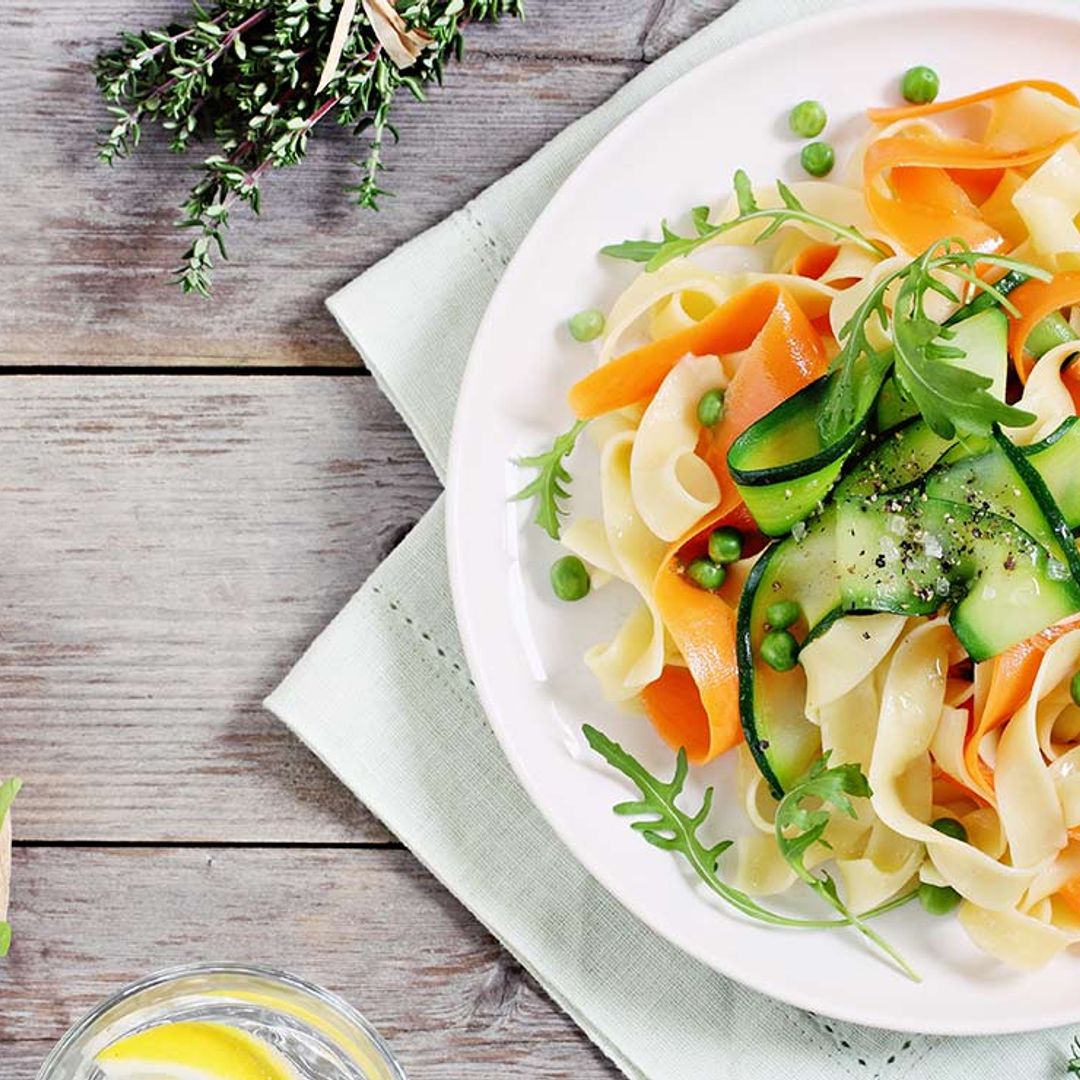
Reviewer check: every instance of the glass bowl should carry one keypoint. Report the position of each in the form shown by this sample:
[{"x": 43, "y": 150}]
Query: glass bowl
[{"x": 321, "y": 1036}]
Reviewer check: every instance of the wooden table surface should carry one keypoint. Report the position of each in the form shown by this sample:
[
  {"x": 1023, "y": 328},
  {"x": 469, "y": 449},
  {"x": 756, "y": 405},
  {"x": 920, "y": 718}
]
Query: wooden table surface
[{"x": 189, "y": 491}]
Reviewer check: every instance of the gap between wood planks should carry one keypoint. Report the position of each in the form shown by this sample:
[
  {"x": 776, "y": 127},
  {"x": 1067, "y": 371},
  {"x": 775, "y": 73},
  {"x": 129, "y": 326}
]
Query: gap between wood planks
[{"x": 214, "y": 371}]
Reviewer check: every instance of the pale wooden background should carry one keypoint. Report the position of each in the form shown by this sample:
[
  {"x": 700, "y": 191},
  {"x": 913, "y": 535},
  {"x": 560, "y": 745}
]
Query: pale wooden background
[{"x": 172, "y": 539}]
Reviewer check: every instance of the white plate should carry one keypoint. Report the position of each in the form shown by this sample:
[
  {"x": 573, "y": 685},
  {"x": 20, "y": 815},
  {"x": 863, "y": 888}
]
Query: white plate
[{"x": 524, "y": 648}]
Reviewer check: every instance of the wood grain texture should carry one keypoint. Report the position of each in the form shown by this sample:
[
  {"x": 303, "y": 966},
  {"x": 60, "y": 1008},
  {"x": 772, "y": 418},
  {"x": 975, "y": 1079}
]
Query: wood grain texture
[
  {"x": 172, "y": 545},
  {"x": 370, "y": 924},
  {"x": 88, "y": 250}
]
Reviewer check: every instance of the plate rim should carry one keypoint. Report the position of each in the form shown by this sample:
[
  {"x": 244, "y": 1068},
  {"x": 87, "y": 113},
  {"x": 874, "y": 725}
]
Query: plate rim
[{"x": 764, "y": 41}]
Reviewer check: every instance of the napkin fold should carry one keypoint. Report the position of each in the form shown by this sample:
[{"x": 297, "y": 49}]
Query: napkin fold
[{"x": 384, "y": 698}]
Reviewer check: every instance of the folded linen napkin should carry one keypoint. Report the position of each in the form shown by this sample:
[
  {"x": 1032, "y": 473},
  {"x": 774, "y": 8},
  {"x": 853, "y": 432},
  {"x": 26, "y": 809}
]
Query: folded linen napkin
[{"x": 383, "y": 696}]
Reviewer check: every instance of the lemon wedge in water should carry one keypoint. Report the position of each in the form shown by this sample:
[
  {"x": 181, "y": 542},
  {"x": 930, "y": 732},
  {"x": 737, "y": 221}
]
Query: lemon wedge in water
[{"x": 193, "y": 1050}]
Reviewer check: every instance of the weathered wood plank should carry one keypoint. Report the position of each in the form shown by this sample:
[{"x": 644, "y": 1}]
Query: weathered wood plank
[
  {"x": 88, "y": 250},
  {"x": 171, "y": 546},
  {"x": 369, "y": 924}
]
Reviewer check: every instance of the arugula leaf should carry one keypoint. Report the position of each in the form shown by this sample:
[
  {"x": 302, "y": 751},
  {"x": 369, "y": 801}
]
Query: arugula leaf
[
  {"x": 951, "y": 399},
  {"x": 799, "y": 828},
  {"x": 672, "y": 829},
  {"x": 656, "y": 253},
  {"x": 550, "y": 485},
  {"x": 5, "y": 938}
]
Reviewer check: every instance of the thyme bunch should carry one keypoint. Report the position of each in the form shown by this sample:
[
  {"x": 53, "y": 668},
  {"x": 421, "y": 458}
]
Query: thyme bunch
[{"x": 243, "y": 74}]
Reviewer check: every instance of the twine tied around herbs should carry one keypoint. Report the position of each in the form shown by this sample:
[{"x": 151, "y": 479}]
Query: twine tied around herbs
[{"x": 402, "y": 45}]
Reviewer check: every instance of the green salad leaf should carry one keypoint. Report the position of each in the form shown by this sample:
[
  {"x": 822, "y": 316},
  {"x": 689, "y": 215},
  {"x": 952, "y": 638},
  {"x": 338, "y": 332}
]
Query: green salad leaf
[
  {"x": 656, "y": 253},
  {"x": 550, "y": 484},
  {"x": 662, "y": 823},
  {"x": 951, "y": 399},
  {"x": 799, "y": 827}
]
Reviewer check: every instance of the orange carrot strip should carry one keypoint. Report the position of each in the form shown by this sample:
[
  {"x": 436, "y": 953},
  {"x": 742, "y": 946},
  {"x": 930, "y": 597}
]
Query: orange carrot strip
[
  {"x": 702, "y": 625},
  {"x": 814, "y": 260},
  {"x": 785, "y": 355},
  {"x": 919, "y": 209},
  {"x": 906, "y": 112},
  {"x": 636, "y": 376},
  {"x": 675, "y": 708},
  {"x": 1035, "y": 300},
  {"x": 1011, "y": 678},
  {"x": 977, "y": 184}
]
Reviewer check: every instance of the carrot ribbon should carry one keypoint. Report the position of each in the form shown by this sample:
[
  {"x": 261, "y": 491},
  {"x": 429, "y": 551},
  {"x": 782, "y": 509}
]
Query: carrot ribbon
[
  {"x": 922, "y": 185},
  {"x": 780, "y": 353},
  {"x": 1011, "y": 679},
  {"x": 1034, "y": 300}
]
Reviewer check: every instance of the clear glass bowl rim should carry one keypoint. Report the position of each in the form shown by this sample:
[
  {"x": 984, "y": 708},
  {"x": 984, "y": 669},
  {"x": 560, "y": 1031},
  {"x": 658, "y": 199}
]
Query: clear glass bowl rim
[{"x": 167, "y": 975}]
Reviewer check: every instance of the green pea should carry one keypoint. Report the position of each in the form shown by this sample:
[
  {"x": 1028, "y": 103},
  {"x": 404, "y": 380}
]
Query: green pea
[
  {"x": 780, "y": 650},
  {"x": 710, "y": 408},
  {"x": 950, "y": 827},
  {"x": 706, "y": 573},
  {"x": 586, "y": 325},
  {"x": 920, "y": 85},
  {"x": 938, "y": 899},
  {"x": 818, "y": 158},
  {"x": 808, "y": 119},
  {"x": 782, "y": 614},
  {"x": 569, "y": 578},
  {"x": 1074, "y": 688},
  {"x": 725, "y": 545}
]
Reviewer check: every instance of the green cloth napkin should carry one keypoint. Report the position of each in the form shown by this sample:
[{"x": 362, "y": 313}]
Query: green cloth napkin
[{"x": 384, "y": 697}]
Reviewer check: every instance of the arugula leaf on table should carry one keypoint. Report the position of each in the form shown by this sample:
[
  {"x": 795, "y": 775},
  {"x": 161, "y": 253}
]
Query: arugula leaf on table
[
  {"x": 656, "y": 253},
  {"x": 665, "y": 825},
  {"x": 799, "y": 828},
  {"x": 550, "y": 484}
]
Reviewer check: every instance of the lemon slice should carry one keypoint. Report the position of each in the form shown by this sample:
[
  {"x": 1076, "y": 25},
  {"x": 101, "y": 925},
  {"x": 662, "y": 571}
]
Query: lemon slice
[{"x": 193, "y": 1050}]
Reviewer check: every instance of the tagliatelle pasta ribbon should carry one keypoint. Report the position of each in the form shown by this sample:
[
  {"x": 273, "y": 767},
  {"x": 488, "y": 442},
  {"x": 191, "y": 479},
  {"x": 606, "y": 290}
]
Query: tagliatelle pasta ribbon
[
  {"x": 921, "y": 184},
  {"x": 1011, "y": 679},
  {"x": 763, "y": 310},
  {"x": 934, "y": 108}
]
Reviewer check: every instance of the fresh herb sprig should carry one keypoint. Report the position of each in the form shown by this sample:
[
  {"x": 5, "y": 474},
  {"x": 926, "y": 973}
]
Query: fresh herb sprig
[
  {"x": 550, "y": 484},
  {"x": 952, "y": 399},
  {"x": 657, "y": 253},
  {"x": 799, "y": 828},
  {"x": 665, "y": 825},
  {"x": 8, "y": 790},
  {"x": 1072, "y": 1066},
  {"x": 243, "y": 74}
]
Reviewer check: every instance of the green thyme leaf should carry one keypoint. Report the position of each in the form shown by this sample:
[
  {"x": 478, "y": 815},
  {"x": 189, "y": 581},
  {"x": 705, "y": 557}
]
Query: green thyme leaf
[
  {"x": 550, "y": 484},
  {"x": 242, "y": 77}
]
